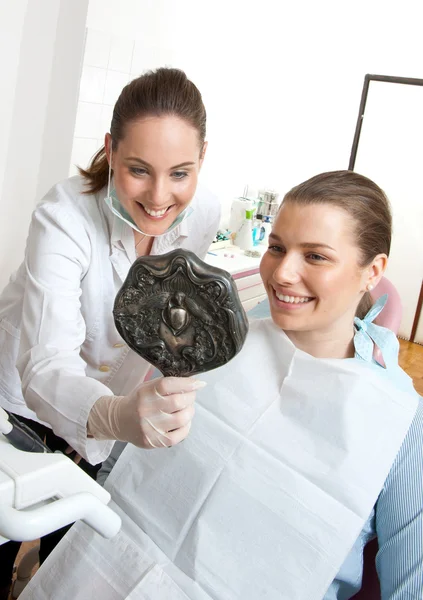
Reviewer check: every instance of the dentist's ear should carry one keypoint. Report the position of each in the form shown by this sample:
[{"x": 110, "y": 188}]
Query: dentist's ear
[
  {"x": 203, "y": 153},
  {"x": 108, "y": 146}
]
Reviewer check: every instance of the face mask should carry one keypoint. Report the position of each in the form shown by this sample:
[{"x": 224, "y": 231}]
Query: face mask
[{"x": 119, "y": 211}]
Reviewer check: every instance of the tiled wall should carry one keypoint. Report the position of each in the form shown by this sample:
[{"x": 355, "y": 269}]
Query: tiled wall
[{"x": 110, "y": 62}]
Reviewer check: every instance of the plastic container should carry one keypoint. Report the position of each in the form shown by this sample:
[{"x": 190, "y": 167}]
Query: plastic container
[
  {"x": 244, "y": 238},
  {"x": 266, "y": 229}
]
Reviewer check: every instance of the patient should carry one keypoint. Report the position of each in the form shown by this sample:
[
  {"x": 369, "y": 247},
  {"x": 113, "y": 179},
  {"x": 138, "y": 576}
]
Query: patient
[{"x": 303, "y": 447}]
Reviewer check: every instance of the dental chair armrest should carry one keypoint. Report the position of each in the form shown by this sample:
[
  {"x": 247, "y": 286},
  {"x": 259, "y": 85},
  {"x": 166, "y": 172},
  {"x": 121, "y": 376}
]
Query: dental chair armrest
[{"x": 31, "y": 524}]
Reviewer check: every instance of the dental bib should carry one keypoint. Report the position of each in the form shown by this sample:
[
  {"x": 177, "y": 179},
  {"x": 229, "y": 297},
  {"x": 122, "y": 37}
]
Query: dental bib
[{"x": 265, "y": 498}]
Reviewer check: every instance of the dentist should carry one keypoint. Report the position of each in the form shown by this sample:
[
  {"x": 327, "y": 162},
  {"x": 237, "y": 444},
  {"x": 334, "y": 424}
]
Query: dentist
[{"x": 64, "y": 369}]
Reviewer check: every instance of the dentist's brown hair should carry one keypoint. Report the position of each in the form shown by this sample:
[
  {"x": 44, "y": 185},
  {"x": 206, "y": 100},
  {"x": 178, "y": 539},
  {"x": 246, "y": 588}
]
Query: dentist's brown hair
[{"x": 163, "y": 92}]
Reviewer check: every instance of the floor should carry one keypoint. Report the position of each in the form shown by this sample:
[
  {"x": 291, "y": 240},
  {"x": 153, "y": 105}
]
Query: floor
[
  {"x": 410, "y": 359},
  {"x": 24, "y": 549}
]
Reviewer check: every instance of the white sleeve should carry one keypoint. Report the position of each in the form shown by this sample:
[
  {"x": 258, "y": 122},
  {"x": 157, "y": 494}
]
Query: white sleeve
[{"x": 54, "y": 381}]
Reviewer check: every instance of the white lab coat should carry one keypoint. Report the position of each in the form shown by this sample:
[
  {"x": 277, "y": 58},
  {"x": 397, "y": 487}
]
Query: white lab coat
[{"x": 56, "y": 321}]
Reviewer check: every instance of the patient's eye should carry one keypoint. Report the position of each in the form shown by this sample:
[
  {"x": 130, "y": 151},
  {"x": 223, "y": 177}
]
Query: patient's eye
[{"x": 316, "y": 257}]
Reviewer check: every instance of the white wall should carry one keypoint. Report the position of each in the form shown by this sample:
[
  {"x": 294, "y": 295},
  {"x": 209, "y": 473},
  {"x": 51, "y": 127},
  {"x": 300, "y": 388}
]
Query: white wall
[
  {"x": 107, "y": 67},
  {"x": 281, "y": 80},
  {"x": 12, "y": 16},
  {"x": 41, "y": 55}
]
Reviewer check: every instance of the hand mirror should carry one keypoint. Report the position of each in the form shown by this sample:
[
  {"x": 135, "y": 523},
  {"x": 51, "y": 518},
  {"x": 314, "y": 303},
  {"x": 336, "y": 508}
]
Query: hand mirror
[{"x": 180, "y": 314}]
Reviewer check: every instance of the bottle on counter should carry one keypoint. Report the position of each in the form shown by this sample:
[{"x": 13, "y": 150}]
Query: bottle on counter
[
  {"x": 266, "y": 230},
  {"x": 244, "y": 238},
  {"x": 257, "y": 230}
]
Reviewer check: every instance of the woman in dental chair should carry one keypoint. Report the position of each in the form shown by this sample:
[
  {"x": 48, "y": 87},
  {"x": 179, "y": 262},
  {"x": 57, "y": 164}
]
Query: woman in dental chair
[{"x": 302, "y": 449}]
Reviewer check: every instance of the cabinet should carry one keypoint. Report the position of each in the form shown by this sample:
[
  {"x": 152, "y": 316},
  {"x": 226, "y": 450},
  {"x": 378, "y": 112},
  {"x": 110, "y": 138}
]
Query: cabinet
[{"x": 244, "y": 270}]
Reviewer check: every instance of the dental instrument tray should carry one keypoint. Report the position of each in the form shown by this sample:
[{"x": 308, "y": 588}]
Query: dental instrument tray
[{"x": 180, "y": 314}]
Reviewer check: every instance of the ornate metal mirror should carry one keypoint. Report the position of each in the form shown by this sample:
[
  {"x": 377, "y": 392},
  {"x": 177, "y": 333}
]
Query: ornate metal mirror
[{"x": 180, "y": 314}]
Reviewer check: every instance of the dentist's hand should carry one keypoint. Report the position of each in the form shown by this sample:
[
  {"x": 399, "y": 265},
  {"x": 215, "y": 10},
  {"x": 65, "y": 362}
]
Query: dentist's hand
[{"x": 157, "y": 414}]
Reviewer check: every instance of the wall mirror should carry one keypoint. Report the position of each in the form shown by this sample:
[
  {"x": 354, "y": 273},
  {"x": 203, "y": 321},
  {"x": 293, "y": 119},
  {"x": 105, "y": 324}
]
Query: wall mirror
[{"x": 388, "y": 148}]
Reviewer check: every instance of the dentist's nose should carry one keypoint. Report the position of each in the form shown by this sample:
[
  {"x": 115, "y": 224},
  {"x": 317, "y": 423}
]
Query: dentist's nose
[{"x": 158, "y": 192}]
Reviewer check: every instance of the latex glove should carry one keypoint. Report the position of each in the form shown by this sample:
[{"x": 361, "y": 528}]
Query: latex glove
[{"x": 157, "y": 414}]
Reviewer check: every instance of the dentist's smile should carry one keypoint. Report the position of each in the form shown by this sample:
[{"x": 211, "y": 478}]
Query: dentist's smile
[{"x": 155, "y": 214}]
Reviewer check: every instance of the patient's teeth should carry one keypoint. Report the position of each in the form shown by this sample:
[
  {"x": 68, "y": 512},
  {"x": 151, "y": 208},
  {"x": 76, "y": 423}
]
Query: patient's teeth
[{"x": 292, "y": 299}]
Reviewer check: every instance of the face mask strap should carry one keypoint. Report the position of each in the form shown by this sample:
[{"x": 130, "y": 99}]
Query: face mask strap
[
  {"x": 179, "y": 219},
  {"x": 110, "y": 171}
]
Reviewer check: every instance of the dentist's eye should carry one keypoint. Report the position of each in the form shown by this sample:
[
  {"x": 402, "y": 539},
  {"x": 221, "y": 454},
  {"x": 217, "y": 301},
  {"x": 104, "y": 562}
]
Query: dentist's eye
[
  {"x": 276, "y": 249},
  {"x": 138, "y": 171}
]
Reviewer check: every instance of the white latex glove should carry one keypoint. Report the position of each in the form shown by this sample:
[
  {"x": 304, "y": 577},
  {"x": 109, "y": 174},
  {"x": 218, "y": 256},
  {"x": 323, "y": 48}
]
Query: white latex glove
[{"x": 157, "y": 414}]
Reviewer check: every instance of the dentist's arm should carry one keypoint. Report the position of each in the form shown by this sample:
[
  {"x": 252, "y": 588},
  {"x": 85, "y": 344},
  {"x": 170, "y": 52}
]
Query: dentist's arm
[{"x": 53, "y": 372}]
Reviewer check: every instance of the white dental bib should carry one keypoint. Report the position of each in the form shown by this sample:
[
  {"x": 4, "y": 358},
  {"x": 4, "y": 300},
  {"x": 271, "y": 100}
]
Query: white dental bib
[{"x": 265, "y": 498}]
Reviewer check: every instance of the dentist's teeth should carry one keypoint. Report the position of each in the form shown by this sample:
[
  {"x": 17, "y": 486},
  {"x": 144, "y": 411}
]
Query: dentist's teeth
[{"x": 155, "y": 213}]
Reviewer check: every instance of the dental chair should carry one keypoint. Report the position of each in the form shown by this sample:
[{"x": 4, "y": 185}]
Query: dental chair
[
  {"x": 41, "y": 492},
  {"x": 390, "y": 317}
]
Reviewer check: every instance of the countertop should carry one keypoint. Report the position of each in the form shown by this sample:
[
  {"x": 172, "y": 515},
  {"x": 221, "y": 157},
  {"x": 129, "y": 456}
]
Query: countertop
[{"x": 238, "y": 266}]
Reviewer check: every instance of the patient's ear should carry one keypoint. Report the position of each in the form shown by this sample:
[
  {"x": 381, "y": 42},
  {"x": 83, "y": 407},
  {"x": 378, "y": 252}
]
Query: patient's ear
[{"x": 374, "y": 272}]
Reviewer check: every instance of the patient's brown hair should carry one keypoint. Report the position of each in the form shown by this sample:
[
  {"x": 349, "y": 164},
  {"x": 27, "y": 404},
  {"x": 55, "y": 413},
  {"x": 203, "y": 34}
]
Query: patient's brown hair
[{"x": 364, "y": 201}]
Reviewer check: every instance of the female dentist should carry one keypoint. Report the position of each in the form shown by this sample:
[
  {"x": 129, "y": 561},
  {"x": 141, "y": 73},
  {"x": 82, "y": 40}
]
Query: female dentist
[{"x": 64, "y": 369}]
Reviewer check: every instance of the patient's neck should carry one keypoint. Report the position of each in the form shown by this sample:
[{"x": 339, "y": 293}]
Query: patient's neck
[{"x": 325, "y": 343}]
